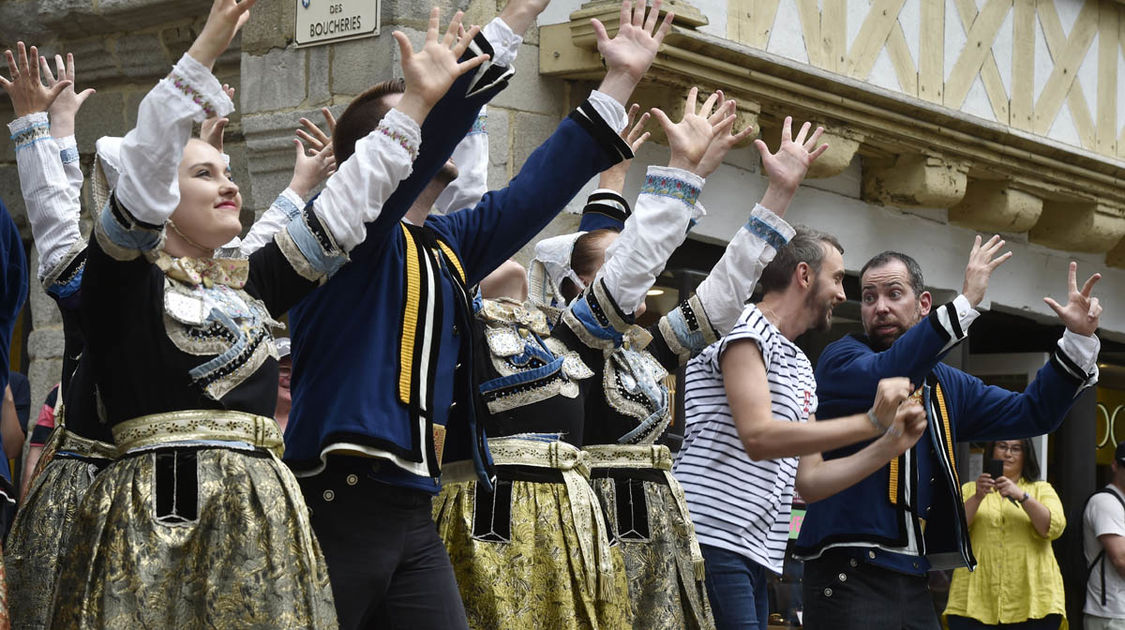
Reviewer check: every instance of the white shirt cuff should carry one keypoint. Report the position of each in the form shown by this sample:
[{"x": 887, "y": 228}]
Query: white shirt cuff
[
  {"x": 205, "y": 86},
  {"x": 612, "y": 112},
  {"x": 505, "y": 42},
  {"x": 965, "y": 312},
  {"x": 25, "y": 122},
  {"x": 1081, "y": 349}
]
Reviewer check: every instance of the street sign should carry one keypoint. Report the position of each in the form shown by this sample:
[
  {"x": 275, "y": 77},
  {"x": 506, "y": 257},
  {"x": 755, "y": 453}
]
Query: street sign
[{"x": 326, "y": 21}]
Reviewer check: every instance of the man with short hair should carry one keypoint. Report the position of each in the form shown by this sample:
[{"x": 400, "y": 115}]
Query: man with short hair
[
  {"x": 868, "y": 548},
  {"x": 1103, "y": 542},
  {"x": 749, "y": 397}
]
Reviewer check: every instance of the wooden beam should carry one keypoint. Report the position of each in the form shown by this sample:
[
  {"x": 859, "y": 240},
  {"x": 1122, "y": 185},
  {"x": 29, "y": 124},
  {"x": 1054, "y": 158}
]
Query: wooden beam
[
  {"x": 931, "y": 65},
  {"x": 872, "y": 37},
  {"x": 833, "y": 31},
  {"x": 1023, "y": 65},
  {"x": 1108, "y": 44},
  {"x": 1067, "y": 53},
  {"x": 982, "y": 30},
  {"x": 809, "y": 12}
]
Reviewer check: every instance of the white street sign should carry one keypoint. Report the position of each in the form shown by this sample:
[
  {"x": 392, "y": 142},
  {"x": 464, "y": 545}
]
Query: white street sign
[{"x": 325, "y": 21}]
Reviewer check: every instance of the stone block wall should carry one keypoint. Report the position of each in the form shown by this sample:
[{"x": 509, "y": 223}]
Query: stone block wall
[{"x": 122, "y": 47}]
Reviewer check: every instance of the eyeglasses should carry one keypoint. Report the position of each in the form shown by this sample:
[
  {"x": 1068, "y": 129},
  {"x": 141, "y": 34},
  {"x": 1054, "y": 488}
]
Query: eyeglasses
[{"x": 1014, "y": 449}]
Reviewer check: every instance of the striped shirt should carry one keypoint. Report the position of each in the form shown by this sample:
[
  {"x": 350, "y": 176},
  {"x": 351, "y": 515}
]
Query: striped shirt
[{"x": 738, "y": 504}]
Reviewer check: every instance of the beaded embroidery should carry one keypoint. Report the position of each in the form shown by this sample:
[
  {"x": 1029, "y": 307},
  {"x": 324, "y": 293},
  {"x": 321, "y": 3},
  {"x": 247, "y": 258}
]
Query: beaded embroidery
[
  {"x": 664, "y": 186},
  {"x": 531, "y": 366},
  {"x": 189, "y": 90},
  {"x": 225, "y": 324},
  {"x": 766, "y": 232},
  {"x": 634, "y": 386},
  {"x": 31, "y": 135}
]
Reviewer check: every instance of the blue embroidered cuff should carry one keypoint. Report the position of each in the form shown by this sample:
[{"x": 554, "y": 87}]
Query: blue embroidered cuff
[
  {"x": 122, "y": 236},
  {"x": 667, "y": 184},
  {"x": 769, "y": 227}
]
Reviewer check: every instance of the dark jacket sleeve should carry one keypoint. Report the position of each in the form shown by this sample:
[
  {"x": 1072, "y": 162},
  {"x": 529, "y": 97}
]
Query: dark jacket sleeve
[
  {"x": 15, "y": 281},
  {"x": 486, "y": 235},
  {"x": 448, "y": 122}
]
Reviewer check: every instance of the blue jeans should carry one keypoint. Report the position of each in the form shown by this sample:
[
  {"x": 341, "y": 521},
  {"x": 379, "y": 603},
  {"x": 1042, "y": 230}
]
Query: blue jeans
[{"x": 736, "y": 586}]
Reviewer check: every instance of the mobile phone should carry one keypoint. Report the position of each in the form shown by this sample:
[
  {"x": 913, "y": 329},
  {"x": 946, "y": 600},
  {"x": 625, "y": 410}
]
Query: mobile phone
[{"x": 995, "y": 468}]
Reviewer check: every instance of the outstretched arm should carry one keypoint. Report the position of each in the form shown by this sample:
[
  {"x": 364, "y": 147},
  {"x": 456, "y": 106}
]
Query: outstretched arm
[
  {"x": 724, "y": 292},
  {"x": 50, "y": 192}
]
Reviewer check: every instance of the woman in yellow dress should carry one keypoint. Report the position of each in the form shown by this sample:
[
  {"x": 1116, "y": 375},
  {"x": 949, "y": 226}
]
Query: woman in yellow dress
[{"x": 1012, "y": 521}]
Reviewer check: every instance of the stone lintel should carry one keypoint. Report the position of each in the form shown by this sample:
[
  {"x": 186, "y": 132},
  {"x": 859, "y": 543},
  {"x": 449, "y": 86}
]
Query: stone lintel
[
  {"x": 1078, "y": 226},
  {"x": 996, "y": 206},
  {"x": 842, "y": 147},
  {"x": 917, "y": 180},
  {"x": 608, "y": 12}
]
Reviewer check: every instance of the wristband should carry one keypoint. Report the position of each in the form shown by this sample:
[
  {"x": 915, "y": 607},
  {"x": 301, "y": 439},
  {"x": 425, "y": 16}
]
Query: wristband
[{"x": 875, "y": 421}]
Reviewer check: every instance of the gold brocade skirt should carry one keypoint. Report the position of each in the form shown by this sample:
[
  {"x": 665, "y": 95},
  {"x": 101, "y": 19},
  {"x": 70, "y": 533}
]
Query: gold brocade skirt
[
  {"x": 533, "y": 553},
  {"x": 649, "y": 520},
  {"x": 197, "y": 524},
  {"x": 45, "y": 523}
]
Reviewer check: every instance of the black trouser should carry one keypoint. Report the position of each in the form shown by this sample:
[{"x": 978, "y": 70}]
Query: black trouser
[
  {"x": 387, "y": 565},
  {"x": 843, "y": 593}
]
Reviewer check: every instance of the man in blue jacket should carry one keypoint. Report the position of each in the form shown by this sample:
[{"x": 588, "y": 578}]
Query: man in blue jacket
[
  {"x": 382, "y": 356},
  {"x": 868, "y": 548}
]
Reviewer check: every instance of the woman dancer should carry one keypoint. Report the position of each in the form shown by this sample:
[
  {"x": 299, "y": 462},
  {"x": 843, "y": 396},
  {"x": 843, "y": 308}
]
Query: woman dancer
[
  {"x": 51, "y": 181},
  {"x": 534, "y": 552},
  {"x": 197, "y": 520},
  {"x": 629, "y": 413}
]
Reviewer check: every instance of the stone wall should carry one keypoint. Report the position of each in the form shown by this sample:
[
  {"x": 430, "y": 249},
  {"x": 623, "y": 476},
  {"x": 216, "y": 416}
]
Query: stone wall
[{"x": 122, "y": 47}]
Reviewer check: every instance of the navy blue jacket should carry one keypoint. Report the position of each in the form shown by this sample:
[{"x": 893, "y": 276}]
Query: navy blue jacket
[
  {"x": 382, "y": 352},
  {"x": 959, "y": 407}
]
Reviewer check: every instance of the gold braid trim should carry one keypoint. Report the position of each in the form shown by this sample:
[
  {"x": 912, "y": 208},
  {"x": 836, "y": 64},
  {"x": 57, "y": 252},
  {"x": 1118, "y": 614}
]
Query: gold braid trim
[
  {"x": 948, "y": 432},
  {"x": 453, "y": 259},
  {"x": 410, "y": 318},
  {"x": 198, "y": 425}
]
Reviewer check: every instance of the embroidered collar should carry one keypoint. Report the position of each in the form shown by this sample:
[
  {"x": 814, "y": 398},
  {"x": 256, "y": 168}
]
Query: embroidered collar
[
  {"x": 208, "y": 272},
  {"x": 526, "y": 315}
]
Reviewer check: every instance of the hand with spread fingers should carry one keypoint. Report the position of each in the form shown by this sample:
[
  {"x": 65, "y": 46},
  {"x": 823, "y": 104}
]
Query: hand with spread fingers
[
  {"x": 630, "y": 53},
  {"x": 787, "y": 167},
  {"x": 430, "y": 71},
  {"x": 65, "y": 108},
  {"x": 1082, "y": 311},
  {"x": 313, "y": 136},
  {"x": 26, "y": 88},
  {"x": 725, "y": 140},
  {"x": 983, "y": 260},
  {"x": 211, "y": 130},
  {"x": 690, "y": 138},
  {"x": 317, "y": 163},
  {"x": 613, "y": 178}
]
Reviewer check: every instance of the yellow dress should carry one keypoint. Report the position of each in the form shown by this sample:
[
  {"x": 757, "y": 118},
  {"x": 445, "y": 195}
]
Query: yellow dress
[{"x": 1017, "y": 577}]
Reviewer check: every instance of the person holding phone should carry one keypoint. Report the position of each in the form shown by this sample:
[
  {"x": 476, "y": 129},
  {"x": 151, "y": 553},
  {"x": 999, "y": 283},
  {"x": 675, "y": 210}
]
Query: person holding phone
[{"x": 1012, "y": 520}]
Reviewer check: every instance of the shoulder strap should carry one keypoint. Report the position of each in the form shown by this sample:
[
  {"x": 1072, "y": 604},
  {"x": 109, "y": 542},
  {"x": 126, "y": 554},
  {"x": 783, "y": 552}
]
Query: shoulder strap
[{"x": 1100, "y": 558}]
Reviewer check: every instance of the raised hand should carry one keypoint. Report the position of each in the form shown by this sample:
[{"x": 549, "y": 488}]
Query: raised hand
[
  {"x": 65, "y": 108},
  {"x": 889, "y": 395},
  {"x": 630, "y": 53},
  {"x": 312, "y": 135},
  {"x": 690, "y": 138},
  {"x": 26, "y": 88},
  {"x": 312, "y": 167},
  {"x": 787, "y": 167},
  {"x": 982, "y": 262},
  {"x": 634, "y": 135},
  {"x": 1082, "y": 312},
  {"x": 224, "y": 21},
  {"x": 430, "y": 71},
  {"x": 724, "y": 140},
  {"x": 520, "y": 14},
  {"x": 211, "y": 130}
]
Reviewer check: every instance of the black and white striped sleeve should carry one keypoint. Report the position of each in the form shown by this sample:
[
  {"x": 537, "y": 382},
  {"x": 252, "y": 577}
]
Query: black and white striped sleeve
[
  {"x": 952, "y": 320},
  {"x": 1077, "y": 356}
]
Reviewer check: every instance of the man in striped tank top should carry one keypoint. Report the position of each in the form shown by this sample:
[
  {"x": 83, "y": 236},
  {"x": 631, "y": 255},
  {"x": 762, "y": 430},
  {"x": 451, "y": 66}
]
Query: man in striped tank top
[{"x": 749, "y": 398}]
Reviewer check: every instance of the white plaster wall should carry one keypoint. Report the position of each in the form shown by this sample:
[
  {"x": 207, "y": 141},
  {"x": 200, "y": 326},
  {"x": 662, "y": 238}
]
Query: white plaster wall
[{"x": 833, "y": 205}]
